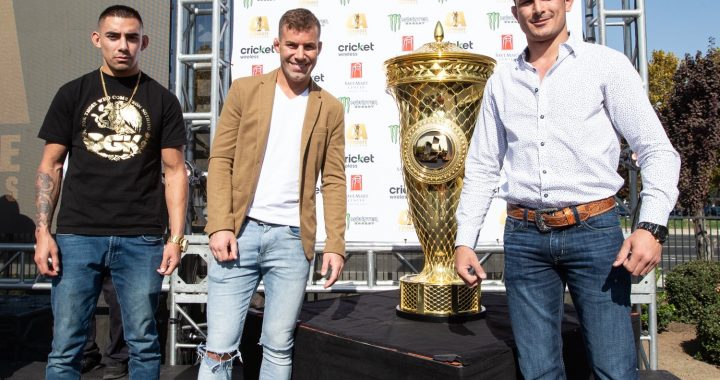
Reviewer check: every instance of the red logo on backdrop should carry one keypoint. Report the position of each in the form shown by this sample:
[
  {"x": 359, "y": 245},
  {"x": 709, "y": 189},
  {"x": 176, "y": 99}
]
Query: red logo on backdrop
[
  {"x": 507, "y": 41},
  {"x": 257, "y": 69},
  {"x": 356, "y": 182},
  {"x": 407, "y": 43},
  {"x": 356, "y": 70}
]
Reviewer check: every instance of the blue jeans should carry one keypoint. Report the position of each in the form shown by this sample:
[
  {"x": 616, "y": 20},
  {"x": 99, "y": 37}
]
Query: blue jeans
[
  {"x": 539, "y": 265},
  {"x": 132, "y": 261},
  {"x": 274, "y": 254}
]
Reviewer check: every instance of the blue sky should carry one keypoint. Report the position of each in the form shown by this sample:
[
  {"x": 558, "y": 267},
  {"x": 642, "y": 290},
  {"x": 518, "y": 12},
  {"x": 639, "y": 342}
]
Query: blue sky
[{"x": 679, "y": 26}]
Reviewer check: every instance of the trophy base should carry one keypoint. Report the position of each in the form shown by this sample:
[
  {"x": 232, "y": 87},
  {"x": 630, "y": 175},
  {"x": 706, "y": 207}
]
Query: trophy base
[
  {"x": 453, "y": 302},
  {"x": 454, "y": 318}
]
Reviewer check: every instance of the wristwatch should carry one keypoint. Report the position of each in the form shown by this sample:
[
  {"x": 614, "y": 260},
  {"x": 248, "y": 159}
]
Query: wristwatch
[
  {"x": 179, "y": 240},
  {"x": 659, "y": 232}
]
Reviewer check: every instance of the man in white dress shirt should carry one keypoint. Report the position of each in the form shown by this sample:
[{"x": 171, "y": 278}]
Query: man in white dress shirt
[{"x": 552, "y": 122}]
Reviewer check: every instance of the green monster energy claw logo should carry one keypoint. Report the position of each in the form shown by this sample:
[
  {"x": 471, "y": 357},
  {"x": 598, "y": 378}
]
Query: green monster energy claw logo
[
  {"x": 441, "y": 1},
  {"x": 344, "y": 2},
  {"x": 345, "y": 100},
  {"x": 394, "y": 133},
  {"x": 347, "y": 221},
  {"x": 247, "y": 3},
  {"x": 494, "y": 20},
  {"x": 394, "y": 21}
]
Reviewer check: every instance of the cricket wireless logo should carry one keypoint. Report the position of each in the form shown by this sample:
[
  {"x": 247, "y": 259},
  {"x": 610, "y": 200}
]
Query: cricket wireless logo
[
  {"x": 394, "y": 133},
  {"x": 397, "y": 192},
  {"x": 494, "y": 20},
  {"x": 352, "y": 49},
  {"x": 353, "y": 161},
  {"x": 357, "y": 103},
  {"x": 253, "y": 52}
]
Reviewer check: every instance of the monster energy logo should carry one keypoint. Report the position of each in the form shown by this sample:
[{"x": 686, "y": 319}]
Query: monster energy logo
[
  {"x": 247, "y": 3},
  {"x": 345, "y": 100},
  {"x": 394, "y": 21},
  {"x": 394, "y": 133},
  {"x": 344, "y": 2},
  {"x": 494, "y": 20},
  {"x": 441, "y": 1},
  {"x": 347, "y": 221}
]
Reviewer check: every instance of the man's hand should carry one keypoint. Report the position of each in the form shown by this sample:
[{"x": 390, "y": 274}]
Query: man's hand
[
  {"x": 468, "y": 266},
  {"x": 640, "y": 253},
  {"x": 170, "y": 259},
  {"x": 46, "y": 249},
  {"x": 333, "y": 262},
  {"x": 223, "y": 245}
]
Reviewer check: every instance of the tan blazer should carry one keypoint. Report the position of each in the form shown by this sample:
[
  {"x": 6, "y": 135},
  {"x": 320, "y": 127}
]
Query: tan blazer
[{"x": 238, "y": 148}]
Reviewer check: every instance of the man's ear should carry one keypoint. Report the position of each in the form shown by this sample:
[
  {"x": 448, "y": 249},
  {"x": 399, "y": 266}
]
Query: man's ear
[
  {"x": 276, "y": 45},
  {"x": 568, "y": 5},
  {"x": 95, "y": 39},
  {"x": 145, "y": 42},
  {"x": 319, "y": 47},
  {"x": 513, "y": 9}
]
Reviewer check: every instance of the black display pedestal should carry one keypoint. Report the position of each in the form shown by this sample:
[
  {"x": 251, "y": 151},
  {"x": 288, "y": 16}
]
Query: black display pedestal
[{"x": 361, "y": 337}]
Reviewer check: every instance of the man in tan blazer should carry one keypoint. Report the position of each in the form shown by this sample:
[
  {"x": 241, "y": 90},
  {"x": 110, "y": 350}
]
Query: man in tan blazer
[{"x": 276, "y": 134}]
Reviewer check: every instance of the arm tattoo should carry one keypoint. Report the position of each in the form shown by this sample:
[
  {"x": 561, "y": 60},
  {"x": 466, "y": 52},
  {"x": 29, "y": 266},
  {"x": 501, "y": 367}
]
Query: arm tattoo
[{"x": 46, "y": 198}]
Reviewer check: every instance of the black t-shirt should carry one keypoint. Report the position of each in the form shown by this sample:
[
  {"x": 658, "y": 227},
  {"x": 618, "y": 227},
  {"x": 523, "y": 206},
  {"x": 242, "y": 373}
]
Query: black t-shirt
[{"x": 113, "y": 183}]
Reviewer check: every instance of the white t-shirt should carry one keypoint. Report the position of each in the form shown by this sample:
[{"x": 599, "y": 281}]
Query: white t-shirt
[{"x": 277, "y": 198}]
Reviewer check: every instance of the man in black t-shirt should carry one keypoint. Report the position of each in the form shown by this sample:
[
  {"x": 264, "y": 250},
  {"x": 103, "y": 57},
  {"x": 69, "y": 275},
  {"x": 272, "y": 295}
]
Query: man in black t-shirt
[{"x": 119, "y": 128}]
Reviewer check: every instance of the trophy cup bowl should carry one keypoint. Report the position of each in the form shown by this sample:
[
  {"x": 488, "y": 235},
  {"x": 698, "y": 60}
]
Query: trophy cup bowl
[{"x": 438, "y": 90}]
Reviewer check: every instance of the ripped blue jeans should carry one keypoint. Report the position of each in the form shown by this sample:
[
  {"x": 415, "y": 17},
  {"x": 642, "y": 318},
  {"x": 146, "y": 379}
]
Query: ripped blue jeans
[{"x": 274, "y": 254}]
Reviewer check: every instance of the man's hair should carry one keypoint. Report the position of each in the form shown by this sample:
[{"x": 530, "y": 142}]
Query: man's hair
[
  {"x": 299, "y": 19},
  {"x": 120, "y": 11}
]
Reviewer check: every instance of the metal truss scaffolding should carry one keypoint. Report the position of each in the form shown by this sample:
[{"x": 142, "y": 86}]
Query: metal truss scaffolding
[
  {"x": 630, "y": 16},
  {"x": 202, "y": 79}
]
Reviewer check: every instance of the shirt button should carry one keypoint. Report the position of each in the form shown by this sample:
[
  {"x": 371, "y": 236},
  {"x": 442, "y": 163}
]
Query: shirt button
[
  {"x": 544, "y": 171},
  {"x": 542, "y": 116},
  {"x": 542, "y": 143},
  {"x": 536, "y": 90},
  {"x": 545, "y": 195}
]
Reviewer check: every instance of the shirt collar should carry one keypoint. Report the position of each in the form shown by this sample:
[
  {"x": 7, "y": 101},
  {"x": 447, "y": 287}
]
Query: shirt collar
[{"x": 571, "y": 46}]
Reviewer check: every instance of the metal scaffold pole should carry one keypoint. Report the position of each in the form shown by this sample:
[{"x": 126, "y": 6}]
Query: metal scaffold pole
[{"x": 202, "y": 79}]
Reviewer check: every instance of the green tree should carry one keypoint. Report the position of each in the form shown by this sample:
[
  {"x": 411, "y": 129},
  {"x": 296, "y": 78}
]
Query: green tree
[
  {"x": 661, "y": 74},
  {"x": 692, "y": 119}
]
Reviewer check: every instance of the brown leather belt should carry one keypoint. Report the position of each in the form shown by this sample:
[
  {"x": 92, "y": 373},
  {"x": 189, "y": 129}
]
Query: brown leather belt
[{"x": 546, "y": 219}]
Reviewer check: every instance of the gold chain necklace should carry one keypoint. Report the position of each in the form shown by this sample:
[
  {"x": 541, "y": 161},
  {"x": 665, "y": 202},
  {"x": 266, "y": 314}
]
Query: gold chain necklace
[{"x": 116, "y": 111}]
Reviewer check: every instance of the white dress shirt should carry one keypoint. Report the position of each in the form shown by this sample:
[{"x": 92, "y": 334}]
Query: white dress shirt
[{"x": 558, "y": 141}]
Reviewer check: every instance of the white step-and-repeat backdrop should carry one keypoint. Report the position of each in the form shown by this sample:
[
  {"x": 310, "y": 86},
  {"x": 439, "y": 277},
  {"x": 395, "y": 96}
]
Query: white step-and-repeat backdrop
[{"x": 358, "y": 36}]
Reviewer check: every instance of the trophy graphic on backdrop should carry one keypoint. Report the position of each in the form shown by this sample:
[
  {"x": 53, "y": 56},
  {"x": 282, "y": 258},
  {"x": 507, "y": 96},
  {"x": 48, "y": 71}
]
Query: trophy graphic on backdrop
[{"x": 438, "y": 89}]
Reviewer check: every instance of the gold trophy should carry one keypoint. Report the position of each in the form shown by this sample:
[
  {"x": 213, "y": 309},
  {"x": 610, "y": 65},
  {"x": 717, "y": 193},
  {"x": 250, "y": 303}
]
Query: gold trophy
[{"x": 438, "y": 89}]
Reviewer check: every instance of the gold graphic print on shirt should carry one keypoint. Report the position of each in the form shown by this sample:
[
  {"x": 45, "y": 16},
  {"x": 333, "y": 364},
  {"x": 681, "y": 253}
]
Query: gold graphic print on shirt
[{"x": 114, "y": 129}]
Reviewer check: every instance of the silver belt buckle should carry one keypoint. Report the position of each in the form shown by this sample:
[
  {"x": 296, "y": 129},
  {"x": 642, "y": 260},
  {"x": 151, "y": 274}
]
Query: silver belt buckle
[{"x": 540, "y": 222}]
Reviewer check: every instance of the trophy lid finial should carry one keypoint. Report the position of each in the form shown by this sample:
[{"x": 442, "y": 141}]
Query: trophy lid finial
[{"x": 439, "y": 32}]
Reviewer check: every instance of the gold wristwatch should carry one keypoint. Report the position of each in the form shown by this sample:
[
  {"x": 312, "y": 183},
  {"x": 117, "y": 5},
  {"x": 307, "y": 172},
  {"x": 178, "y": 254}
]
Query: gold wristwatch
[{"x": 179, "y": 240}]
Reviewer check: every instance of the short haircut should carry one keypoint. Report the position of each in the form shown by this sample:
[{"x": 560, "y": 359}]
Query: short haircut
[
  {"x": 120, "y": 11},
  {"x": 299, "y": 19}
]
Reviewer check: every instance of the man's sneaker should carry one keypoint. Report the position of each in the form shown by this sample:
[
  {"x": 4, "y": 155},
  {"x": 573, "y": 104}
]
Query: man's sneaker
[
  {"x": 89, "y": 363},
  {"x": 115, "y": 370}
]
